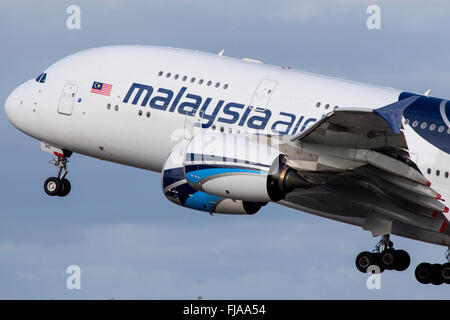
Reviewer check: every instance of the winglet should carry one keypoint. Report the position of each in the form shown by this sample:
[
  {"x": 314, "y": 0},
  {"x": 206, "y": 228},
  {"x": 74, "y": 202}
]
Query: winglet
[{"x": 393, "y": 113}]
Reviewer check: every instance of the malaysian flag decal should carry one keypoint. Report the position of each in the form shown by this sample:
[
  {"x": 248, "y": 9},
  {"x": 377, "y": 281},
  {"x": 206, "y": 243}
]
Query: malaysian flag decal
[{"x": 101, "y": 88}]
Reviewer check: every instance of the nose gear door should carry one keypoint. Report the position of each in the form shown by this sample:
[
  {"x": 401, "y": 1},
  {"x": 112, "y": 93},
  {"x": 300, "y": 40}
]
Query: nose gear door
[{"x": 67, "y": 98}]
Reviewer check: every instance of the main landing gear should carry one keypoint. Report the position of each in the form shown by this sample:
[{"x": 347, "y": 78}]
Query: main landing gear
[
  {"x": 59, "y": 185},
  {"x": 436, "y": 273},
  {"x": 385, "y": 257}
]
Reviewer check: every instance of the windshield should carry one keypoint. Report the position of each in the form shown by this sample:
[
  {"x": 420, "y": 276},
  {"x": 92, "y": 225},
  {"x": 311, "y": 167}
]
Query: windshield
[{"x": 41, "y": 78}]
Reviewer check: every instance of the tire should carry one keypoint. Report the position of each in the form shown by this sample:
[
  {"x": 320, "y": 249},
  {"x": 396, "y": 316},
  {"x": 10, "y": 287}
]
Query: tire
[
  {"x": 52, "y": 186},
  {"x": 403, "y": 260},
  {"x": 376, "y": 261},
  {"x": 388, "y": 259},
  {"x": 436, "y": 274},
  {"x": 446, "y": 272},
  {"x": 423, "y": 273},
  {"x": 65, "y": 188},
  {"x": 364, "y": 260}
]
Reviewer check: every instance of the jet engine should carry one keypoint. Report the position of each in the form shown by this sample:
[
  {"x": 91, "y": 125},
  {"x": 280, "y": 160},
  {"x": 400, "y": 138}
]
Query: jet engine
[
  {"x": 177, "y": 189},
  {"x": 240, "y": 167},
  {"x": 224, "y": 173}
]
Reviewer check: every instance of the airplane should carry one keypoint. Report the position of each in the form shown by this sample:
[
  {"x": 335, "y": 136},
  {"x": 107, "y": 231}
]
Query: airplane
[{"x": 230, "y": 135}]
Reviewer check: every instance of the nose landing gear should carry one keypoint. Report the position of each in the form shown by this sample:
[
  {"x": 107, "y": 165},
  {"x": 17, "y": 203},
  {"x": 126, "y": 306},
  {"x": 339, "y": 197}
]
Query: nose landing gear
[{"x": 59, "y": 185}]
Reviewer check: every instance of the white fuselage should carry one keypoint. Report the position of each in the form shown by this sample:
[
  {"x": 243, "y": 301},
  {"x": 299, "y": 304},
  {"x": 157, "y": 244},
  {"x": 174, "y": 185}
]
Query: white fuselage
[{"x": 115, "y": 129}]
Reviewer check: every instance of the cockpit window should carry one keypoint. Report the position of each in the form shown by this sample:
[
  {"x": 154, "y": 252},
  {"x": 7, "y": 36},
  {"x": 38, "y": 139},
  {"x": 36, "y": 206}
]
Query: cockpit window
[{"x": 41, "y": 78}]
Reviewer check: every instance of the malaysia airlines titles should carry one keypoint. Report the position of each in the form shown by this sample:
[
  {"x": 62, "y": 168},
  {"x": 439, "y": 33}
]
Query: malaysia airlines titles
[{"x": 233, "y": 112}]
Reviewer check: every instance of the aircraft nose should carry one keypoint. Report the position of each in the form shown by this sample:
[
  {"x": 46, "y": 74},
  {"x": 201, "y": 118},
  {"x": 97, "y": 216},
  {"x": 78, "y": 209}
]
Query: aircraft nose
[
  {"x": 17, "y": 102},
  {"x": 12, "y": 103}
]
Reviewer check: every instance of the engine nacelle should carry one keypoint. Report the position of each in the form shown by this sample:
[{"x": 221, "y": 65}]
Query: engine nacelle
[
  {"x": 239, "y": 167},
  {"x": 226, "y": 173},
  {"x": 230, "y": 166},
  {"x": 177, "y": 189}
]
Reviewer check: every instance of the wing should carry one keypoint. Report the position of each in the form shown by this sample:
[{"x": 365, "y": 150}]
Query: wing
[{"x": 362, "y": 173}]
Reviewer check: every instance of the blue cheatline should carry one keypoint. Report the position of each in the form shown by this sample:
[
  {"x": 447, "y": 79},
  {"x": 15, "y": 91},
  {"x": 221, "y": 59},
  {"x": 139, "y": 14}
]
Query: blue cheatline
[{"x": 195, "y": 176}]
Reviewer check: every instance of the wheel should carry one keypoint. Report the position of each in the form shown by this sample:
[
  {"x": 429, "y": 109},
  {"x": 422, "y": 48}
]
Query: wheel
[
  {"x": 446, "y": 272},
  {"x": 52, "y": 186},
  {"x": 65, "y": 188},
  {"x": 423, "y": 273},
  {"x": 364, "y": 260},
  {"x": 376, "y": 261},
  {"x": 388, "y": 259},
  {"x": 402, "y": 260},
  {"x": 436, "y": 274}
]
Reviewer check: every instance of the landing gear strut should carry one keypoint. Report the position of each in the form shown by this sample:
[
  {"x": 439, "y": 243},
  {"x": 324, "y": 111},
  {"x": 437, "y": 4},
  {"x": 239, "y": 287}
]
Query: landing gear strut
[
  {"x": 59, "y": 185},
  {"x": 385, "y": 257},
  {"x": 434, "y": 273}
]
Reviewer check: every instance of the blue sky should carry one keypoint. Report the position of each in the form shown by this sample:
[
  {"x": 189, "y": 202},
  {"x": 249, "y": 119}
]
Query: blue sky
[{"x": 132, "y": 243}]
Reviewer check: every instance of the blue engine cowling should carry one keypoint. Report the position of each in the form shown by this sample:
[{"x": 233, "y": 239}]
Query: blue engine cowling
[{"x": 177, "y": 189}]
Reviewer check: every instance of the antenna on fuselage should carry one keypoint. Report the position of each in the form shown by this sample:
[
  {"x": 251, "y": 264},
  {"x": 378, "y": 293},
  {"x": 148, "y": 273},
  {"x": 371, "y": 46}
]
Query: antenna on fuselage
[
  {"x": 427, "y": 93},
  {"x": 221, "y": 53}
]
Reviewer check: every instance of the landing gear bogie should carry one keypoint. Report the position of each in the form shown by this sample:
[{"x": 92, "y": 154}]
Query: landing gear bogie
[
  {"x": 436, "y": 274},
  {"x": 385, "y": 257}
]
